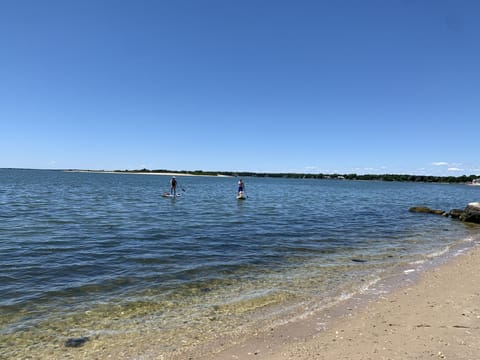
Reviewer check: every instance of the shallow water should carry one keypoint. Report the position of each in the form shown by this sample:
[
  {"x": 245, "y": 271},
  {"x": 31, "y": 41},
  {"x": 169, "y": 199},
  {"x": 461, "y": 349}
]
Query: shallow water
[{"x": 85, "y": 254}]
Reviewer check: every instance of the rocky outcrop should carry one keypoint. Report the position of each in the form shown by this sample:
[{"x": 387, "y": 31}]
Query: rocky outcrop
[
  {"x": 470, "y": 214},
  {"x": 426, "y": 210}
]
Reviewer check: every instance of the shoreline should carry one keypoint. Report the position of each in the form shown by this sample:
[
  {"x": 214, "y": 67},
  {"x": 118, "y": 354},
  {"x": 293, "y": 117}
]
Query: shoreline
[
  {"x": 429, "y": 310},
  {"x": 141, "y": 173},
  {"x": 434, "y": 314},
  {"x": 459, "y": 180}
]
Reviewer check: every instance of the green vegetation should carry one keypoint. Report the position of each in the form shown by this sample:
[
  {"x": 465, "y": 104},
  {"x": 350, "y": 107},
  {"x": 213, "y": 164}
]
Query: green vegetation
[{"x": 383, "y": 177}]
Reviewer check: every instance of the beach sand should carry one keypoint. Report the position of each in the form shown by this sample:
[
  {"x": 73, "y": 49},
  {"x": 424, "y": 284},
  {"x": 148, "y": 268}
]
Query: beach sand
[
  {"x": 431, "y": 315},
  {"x": 132, "y": 172},
  {"x": 436, "y": 317}
]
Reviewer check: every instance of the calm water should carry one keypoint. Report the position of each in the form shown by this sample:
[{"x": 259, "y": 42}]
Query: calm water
[{"x": 84, "y": 254}]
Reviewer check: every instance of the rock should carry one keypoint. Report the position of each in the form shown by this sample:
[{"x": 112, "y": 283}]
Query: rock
[
  {"x": 455, "y": 213},
  {"x": 76, "y": 342},
  {"x": 471, "y": 213},
  {"x": 426, "y": 210},
  {"x": 420, "y": 209}
]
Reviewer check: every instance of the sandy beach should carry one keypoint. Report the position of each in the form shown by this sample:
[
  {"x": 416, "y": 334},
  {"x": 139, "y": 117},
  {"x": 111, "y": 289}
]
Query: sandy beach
[
  {"x": 436, "y": 317},
  {"x": 143, "y": 173}
]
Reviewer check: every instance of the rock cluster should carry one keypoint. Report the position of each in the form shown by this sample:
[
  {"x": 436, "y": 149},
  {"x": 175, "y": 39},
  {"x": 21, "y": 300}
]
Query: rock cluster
[{"x": 470, "y": 214}]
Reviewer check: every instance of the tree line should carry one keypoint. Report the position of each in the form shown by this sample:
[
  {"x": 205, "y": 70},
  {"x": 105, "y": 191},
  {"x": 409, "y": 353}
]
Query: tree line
[{"x": 377, "y": 177}]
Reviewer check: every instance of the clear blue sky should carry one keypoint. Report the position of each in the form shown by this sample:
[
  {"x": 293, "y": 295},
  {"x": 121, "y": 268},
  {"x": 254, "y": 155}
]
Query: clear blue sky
[{"x": 385, "y": 86}]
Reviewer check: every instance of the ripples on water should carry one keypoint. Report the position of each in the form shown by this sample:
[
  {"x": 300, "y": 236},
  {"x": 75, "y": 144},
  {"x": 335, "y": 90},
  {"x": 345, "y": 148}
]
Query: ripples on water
[{"x": 84, "y": 253}]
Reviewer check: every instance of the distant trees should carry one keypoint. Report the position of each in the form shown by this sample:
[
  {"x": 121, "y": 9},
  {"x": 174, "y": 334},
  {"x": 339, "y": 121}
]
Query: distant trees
[{"x": 377, "y": 177}]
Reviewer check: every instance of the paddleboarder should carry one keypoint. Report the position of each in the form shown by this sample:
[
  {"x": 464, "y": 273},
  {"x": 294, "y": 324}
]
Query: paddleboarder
[
  {"x": 241, "y": 187},
  {"x": 173, "y": 186}
]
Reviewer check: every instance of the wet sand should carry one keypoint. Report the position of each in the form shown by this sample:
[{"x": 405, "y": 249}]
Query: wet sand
[{"x": 435, "y": 317}]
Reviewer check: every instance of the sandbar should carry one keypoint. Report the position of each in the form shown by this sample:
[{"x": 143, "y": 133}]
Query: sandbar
[{"x": 144, "y": 173}]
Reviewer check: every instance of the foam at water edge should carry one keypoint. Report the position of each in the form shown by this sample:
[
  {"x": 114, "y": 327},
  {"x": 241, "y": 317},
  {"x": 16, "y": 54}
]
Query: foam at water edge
[{"x": 439, "y": 253}]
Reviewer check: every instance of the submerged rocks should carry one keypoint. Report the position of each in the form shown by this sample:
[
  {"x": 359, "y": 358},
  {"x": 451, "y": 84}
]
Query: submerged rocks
[
  {"x": 76, "y": 342},
  {"x": 470, "y": 214}
]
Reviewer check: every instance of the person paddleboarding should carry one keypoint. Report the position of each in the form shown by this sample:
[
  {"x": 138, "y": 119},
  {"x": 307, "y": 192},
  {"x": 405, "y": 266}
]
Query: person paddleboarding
[
  {"x": 173, "y": 186},
  {"x": 241, "y": 190}
]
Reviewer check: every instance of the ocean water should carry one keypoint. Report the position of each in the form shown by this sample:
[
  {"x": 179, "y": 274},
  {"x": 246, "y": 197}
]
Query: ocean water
[{"x": 105, "y": 256}]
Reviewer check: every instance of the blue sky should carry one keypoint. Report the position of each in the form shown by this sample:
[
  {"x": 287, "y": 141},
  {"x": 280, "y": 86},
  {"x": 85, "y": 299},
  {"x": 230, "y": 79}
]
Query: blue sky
[{"x": 386, "y": 86}]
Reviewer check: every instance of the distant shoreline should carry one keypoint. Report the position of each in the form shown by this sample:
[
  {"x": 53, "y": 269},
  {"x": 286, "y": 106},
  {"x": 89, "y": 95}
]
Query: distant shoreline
[
  {"x": 464, "y": 179},
  {"x": 141, "y": 173}
]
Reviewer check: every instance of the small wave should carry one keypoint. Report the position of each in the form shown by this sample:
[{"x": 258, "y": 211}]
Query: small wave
[
  {"x": 439, "y": 253},
  {"x": 369, "y": 284},
  {"x": 417, "y": 262}
]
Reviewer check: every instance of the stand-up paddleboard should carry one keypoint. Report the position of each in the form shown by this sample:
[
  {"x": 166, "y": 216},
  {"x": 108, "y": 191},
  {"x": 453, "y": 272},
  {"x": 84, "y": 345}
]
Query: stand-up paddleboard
[
  {"x": 168, "y": 195},
  {"x": 241, "y": 196}
]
